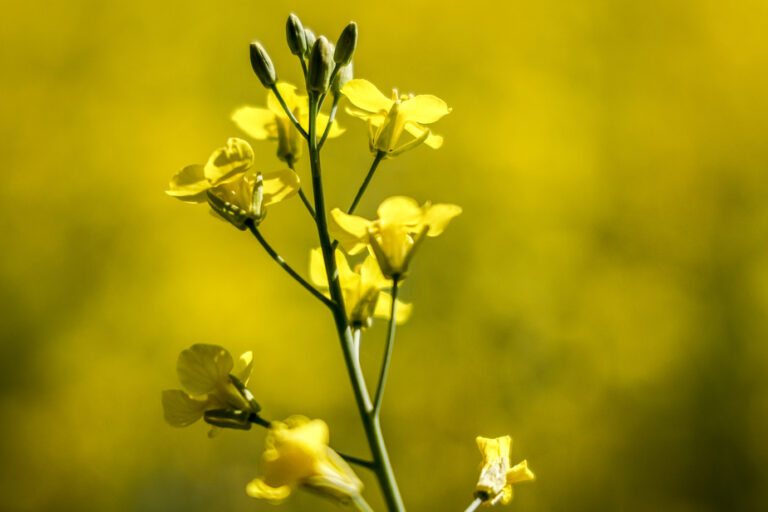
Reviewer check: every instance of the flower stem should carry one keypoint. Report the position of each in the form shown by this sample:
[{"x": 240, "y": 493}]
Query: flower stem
[
  {"x": 387, "y": 352},
  {"x": 280, "y": 261},
  {"x": 379, "y": 157},
  {"x": 357, "y": 461},
  {"x": 360, "y": 504},
  {"x": 473, "y": 506},
  {"x": 288, "y": 112},
  {"x": 371, "y": 425},
  {"x": 303, "y": 196},
  {"x": 331, "y": 117}
]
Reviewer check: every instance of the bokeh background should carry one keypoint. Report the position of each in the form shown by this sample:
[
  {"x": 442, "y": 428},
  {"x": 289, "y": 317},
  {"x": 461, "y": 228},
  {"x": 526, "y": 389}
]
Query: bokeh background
[{"x": 603, "y": 298}]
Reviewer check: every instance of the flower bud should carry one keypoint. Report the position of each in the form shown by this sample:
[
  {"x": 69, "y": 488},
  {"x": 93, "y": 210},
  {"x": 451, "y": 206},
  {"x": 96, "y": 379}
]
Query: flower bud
[
  {"x": 310, "y": 37},
  {"x": 262, "y": 65},
  {"x": 320, "y": 66},
  {"x": 297, "y": 39},
  {"x": 345, "y": 74},
  {"x": 345, "y": 46}
]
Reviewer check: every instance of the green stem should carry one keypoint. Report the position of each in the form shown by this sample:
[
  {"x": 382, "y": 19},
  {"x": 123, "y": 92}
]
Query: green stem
[
  {"x": 474, "y": 505},
  {"x": 387, "y": 351},
  {"x": 288, "y": 112},
  {"x": 360, "y": 504},
  {"x": 371, "y": 424},
  {"x": 331, "y": 117},
  {"x": 379, "y": 157},
  {"x": 304, "y": 199},
  {"x": 280, "y": 261}
]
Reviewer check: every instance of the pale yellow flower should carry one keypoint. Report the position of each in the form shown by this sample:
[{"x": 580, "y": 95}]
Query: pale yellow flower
[
  {"x": 388, "y": 117},
  {"x": 297, "y": 455},
  {"x": 233, "y": 189},
  {"x": 272, "y": 123},
  {"x": 204, "y": 373},
  {"x": 362, "y": 288},
  {"x": 496, "y": 477},
  {"x": 393, "y": 237}
]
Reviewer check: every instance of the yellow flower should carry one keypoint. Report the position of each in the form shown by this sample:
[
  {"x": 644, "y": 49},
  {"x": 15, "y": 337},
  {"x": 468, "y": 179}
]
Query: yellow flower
[
  {"x": 204, "y": 373},
  {"x": 496, "y": 477},
  {"x": 394, "y": 236},
  {"x": 297, "y": 454},
  {"x": 387, "y": 118},
  {"x": 272, "y": 123},
  {"x": 362, "y": 289},
  {"x": 234, "y": 190}
]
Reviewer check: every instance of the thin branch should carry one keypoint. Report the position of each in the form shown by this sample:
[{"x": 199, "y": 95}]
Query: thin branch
[
  {"x": 302, "y": 195},
  {"x": 289, "y": 113},
  {"x": 387, "y": 353},
  {"x": 358, "y": 461},
  {"x": 473, "y": 506},
  {"x": 280, "y": 261},
  {"x": 331, "y": 118},
  {"x": 379, "y": 157}
]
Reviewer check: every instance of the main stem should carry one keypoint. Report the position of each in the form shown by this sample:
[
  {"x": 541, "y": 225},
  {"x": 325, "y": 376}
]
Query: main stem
[{"x": 371, "y": 424}]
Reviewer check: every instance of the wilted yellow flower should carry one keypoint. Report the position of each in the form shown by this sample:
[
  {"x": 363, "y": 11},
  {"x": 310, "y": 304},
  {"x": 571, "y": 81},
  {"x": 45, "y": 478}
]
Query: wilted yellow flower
[
  {"x": 496, "y": 477},
  {"x": 234, "y": 190},
  {"x": 297, "y": 454},
  {"x": 272, "y": 123},
  {"x": 362, "y": 289},
  {"x": 393, "y": 237},
  {"x": 204, "y": 373},
  {"x": 387, "y": 118}
]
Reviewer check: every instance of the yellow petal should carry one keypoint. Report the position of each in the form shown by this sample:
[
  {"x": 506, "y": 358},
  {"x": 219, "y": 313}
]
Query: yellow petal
[
  {"x": 399, "y": 210},
  {"x": 322, "y": 122},
  {"x": 424, "y": 109},
  {"x": 433, "y": 141},
  {"x": 384, "y": 308},
  {"x": 365, "y": 115},
  {"x": 201, "y": 368},
  {"x": 257, "y": 488},
  {"x": 520, "y": 473},
  {"x": 258, "y": 123},
  {"x": 350, "y": 230},
  {"x": 363, "y": 94},
  {"x": 180, "y": 409},
  {"x": 236, "y": 156},
  {"x": 494, "y": 449},
  {"x": 244, "y": 367},
  {"x": 317, "y": 268},
  {"x": 371, "y": 275},
  {"x": 438, "y": 216},
  {"x": 279, "y": 185},
  {"x": 189, "y": 184},
  {"x": 292, "y": 99}
]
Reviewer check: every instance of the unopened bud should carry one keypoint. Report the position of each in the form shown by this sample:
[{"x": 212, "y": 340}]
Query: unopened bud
[
  {"x": 310, "y": 37},
  {"x": 345, "y": 74},
  {"x": 320, "y": 66},
  {"x": 345, "y": 46},
  {"x": 262, "y": 65},
  {"x": 297, "y": 39}
]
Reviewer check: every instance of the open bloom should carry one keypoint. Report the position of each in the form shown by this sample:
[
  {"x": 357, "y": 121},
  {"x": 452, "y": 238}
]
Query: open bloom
[
  {"x": 362, "y": 289},
  {"x": 387, "y": 118},
  {"x": 204, "y": 373},
  {"x": 272, "y": 123},
  {"x": 496, "y": 477},
  {"x": 297, "y": 454},
  {"x": 394, "y": 236},
  {"x": 233, "y": 189}
]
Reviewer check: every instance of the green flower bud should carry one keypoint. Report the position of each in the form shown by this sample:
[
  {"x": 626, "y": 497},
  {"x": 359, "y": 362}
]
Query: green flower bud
[
  {"x": 297, "y": 38},
  {"x": 345, "y": 46},
  {"x": 262, "y": 65},
  {"x": 320, "y": 66},
  {"x": 310, "y": 37},
  {"x": 345, "y": 74}
]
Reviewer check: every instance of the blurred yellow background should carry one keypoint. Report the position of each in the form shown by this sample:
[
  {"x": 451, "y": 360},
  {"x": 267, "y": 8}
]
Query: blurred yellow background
[{"x": 603, "y": 298}]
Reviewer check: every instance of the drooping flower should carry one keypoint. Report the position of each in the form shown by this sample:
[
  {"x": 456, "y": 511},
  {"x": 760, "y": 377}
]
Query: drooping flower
[
  {"x": 496, "y": 477},
  {"x": 297, "y": 455},
  {"x": 205, "y": 374},
  {"x": 362, "y": 288},
  {"x": 388, "y": 117},
  {"x": 272, "y": 123},
  {"x": 394, "y": 236},
  {"x": 233, "y": 189}
]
